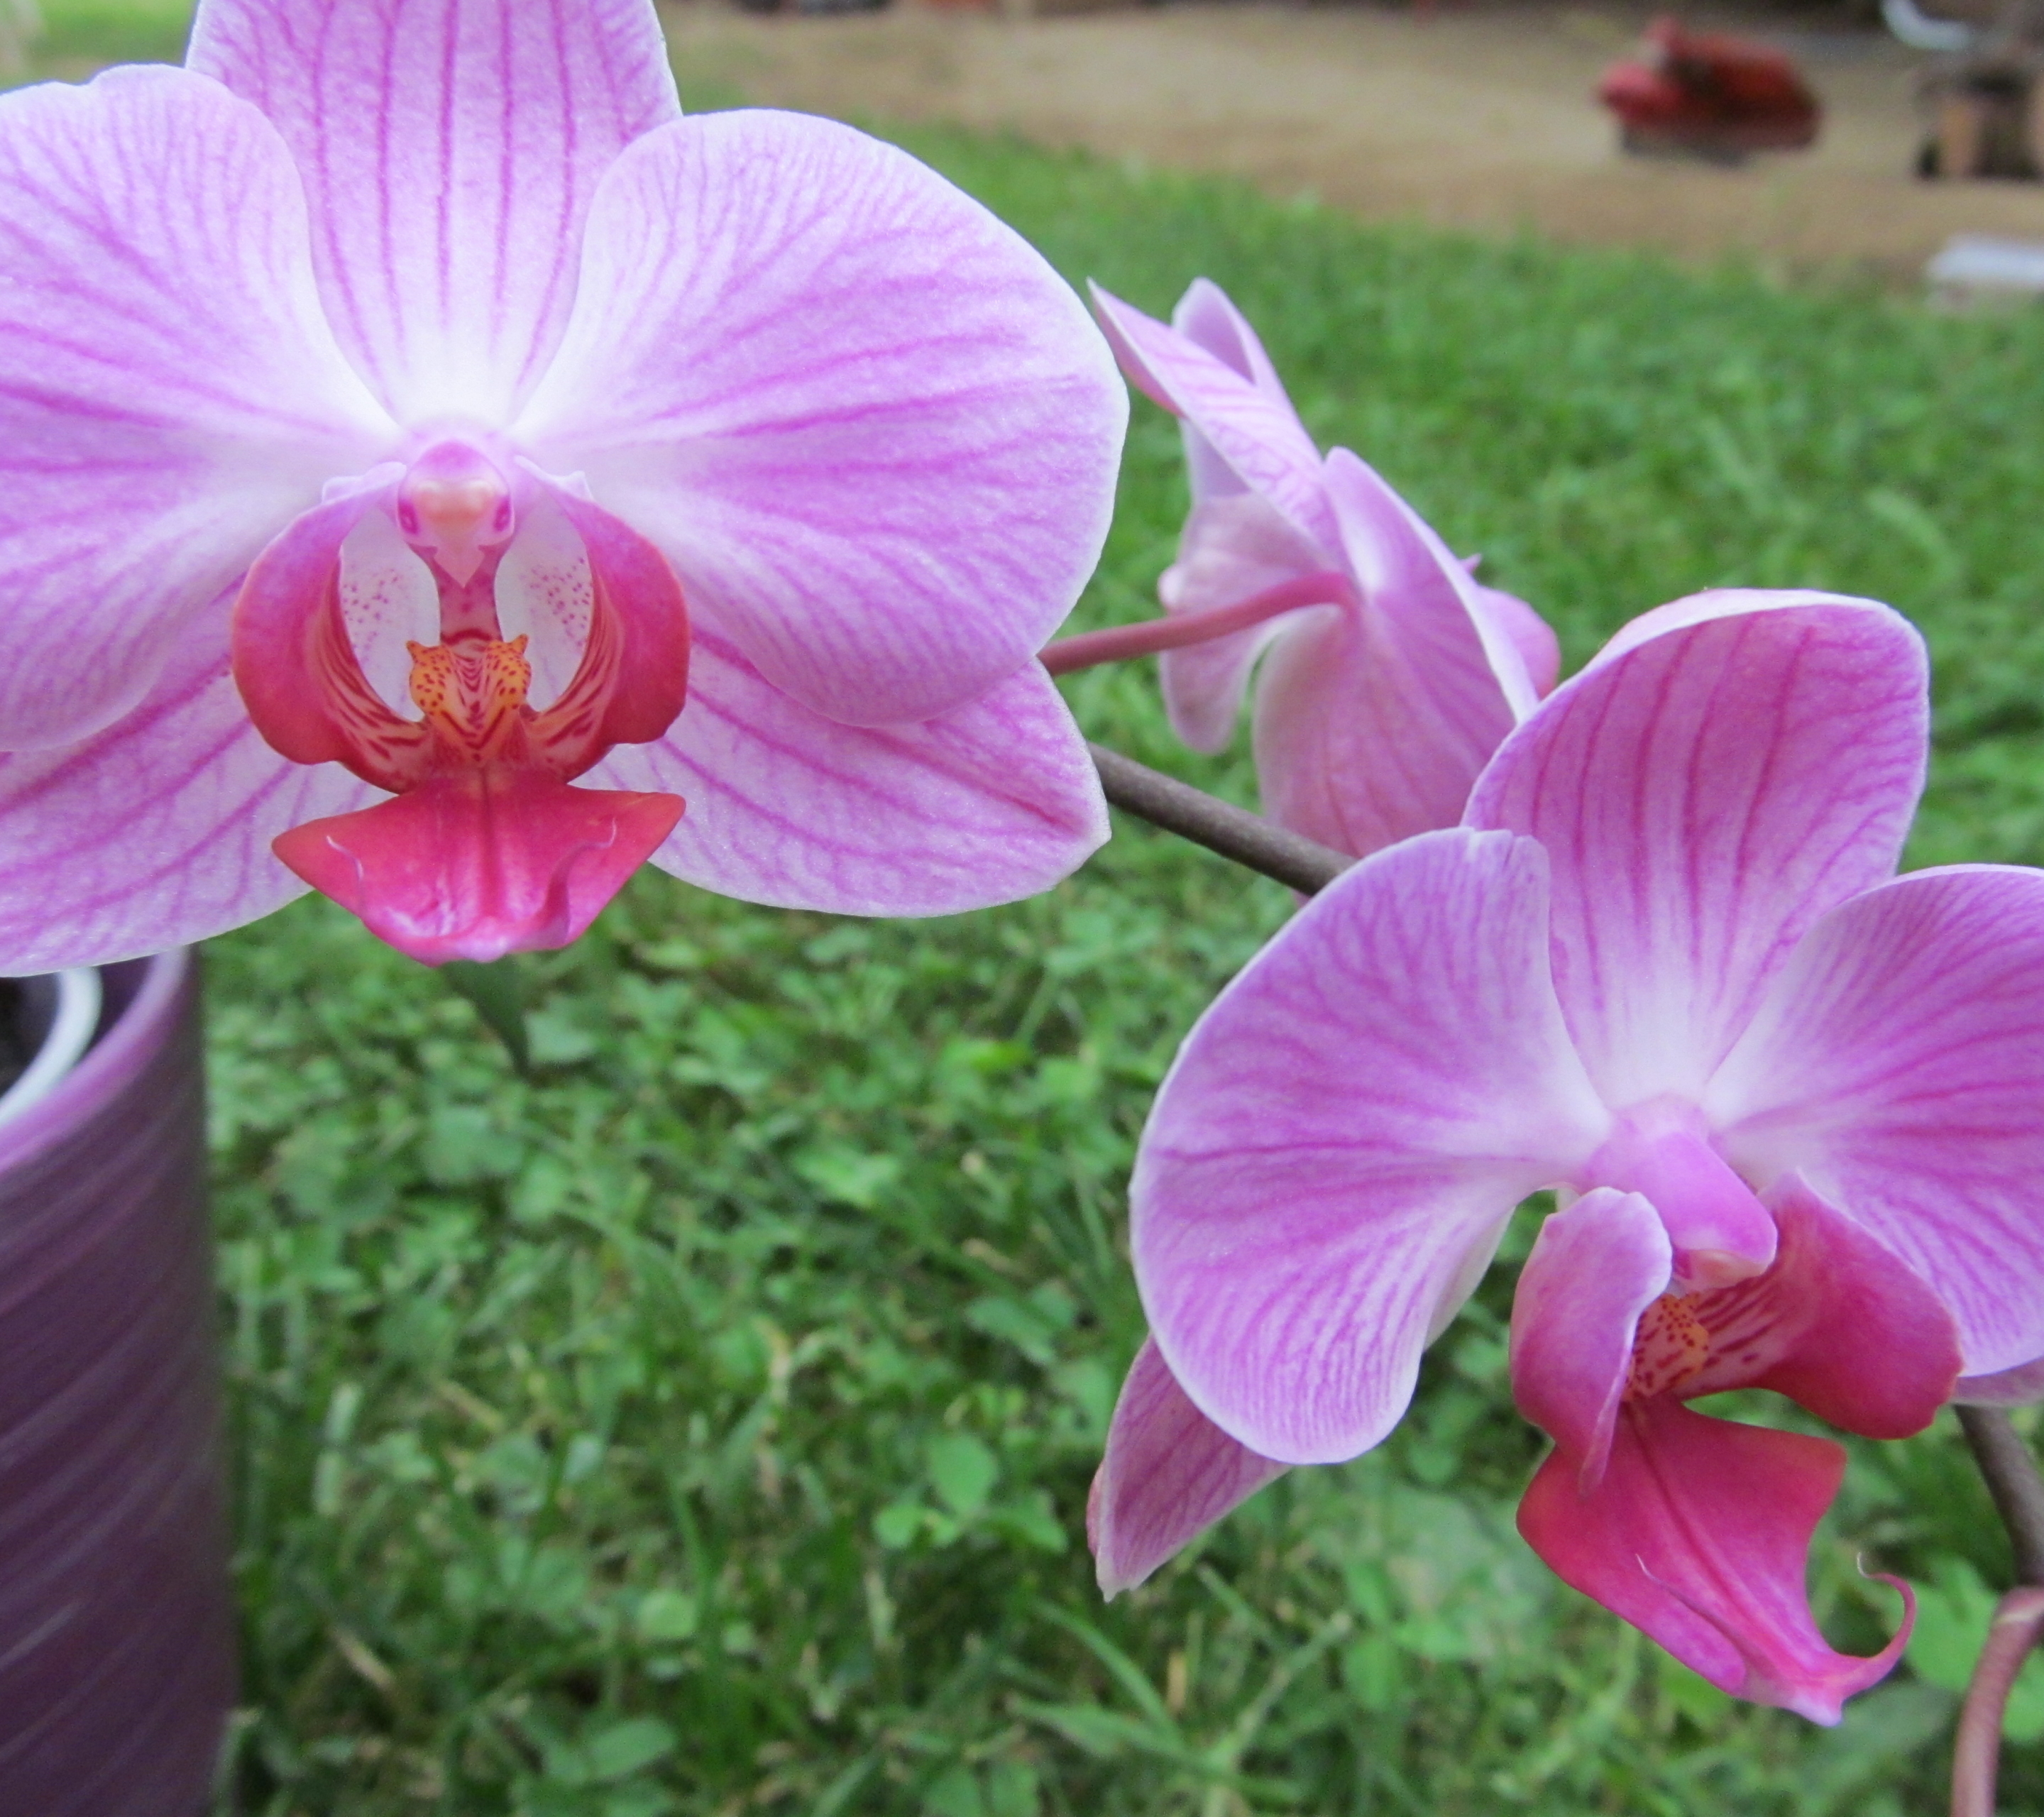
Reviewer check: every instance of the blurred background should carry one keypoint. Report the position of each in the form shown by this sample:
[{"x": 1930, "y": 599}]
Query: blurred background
[{"x": 699, "y": 1420}]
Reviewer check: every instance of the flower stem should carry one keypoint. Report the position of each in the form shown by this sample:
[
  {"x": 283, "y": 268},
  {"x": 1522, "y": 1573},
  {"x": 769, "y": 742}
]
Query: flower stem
[
  {"x": 1975, "y": 1754},
  {"x": 1174, "y": 631},
  {"x": 2010, "y": 1468},
  {"x": 1303, "y": 864}
]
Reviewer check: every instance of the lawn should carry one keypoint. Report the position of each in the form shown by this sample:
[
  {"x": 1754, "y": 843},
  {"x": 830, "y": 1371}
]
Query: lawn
[{"x": 700, "y": 1421}]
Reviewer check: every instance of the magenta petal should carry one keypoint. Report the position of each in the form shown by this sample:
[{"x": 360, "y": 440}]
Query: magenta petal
[
  {"x": 474, "y": 865},
  {"x": 1698, "y": 1535},
  {"x": 1373, "y": 724},
  {"x": 873, "y": 431},
  {"x": 1334, "y": 1155},
  {"x": 449, "y": 152},
  {"x": 1898, "y": 1065},
  {"x": 156, "y": 831},
  {"x": 1838, "y": 1324},
  {"x": 1595, "y": 1268},
  {"x": 170, "y": 396},
  {"x": 991, "y": 802},
  {"x": 1253, "y": 434},
  {"x": 1168, "y": 1474},
  {"x": 1706, "y": 793}
]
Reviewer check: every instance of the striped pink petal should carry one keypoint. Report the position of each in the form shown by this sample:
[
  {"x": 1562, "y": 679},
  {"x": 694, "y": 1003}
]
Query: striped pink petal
[
  {"x": 1732, "y": 766},
  {"x": 991, "y": 802},
  {"x": 449, "y": 152},
  {"x": 156, "y": 832},
  {"x": 1168, "y": 1474},
  {"x": 1897, "y": 1064},
  {"x": 1332, "y": 1158},
  {"x": 874, "y": 432},
  {"x": 170, "y": 395}
]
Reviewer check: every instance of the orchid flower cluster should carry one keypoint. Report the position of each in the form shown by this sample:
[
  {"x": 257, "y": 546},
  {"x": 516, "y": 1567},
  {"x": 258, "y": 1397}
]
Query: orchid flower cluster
[{"x": 439, "y": 474}]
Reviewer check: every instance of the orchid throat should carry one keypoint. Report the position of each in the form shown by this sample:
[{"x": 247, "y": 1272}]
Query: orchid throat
[{"x": 485, "y": 848}]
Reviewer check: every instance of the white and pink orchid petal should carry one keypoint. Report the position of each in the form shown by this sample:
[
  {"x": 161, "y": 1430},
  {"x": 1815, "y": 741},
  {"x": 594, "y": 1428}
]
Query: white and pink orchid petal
[
  {"x": 1838, "y": 1324},
  {"x": 449, "y": 152},
  {"x": 989, "y": 803},
  {"x": 1168, "y": 1475},
  {"x": 1253, "y": 433},
  {"x": 1594, "y": 1269},
  {"x": 1373, "y": 723},
  {"x": 1698, "y": 1535},
  {"x": 873, "y": 430},
  {"x": 1231, "y": 549},
  {"x": 1706, "y": 793},
  {"x": 1336, "y": 1150},
  {"x": 156, "y": 831},
  {"x": 2022, "y": 1386},
  {"x": 1898, "y": 1065},
  {"x": 1207, "y": 318},
  {"x": 477, "y": 862},
  {"x": 170, "y": 395}
]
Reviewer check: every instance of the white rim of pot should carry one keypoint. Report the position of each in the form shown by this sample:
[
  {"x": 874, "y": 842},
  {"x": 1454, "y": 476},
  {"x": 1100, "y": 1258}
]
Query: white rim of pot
[{"x": 71, "y": 1032}]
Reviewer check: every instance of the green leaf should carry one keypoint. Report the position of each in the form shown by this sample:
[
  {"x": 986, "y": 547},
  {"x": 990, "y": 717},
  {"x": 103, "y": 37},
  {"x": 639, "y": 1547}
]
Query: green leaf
[{"x": 964, "y": 1472}]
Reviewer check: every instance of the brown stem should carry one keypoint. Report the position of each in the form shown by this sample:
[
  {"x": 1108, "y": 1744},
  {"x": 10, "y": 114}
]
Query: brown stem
[
  {"x": 1303, "y": 864},
  {"x": 1151, "y": 635},
  {"x": 2010, "y": 1467},
  {"x": 1977, "y": 1753}
]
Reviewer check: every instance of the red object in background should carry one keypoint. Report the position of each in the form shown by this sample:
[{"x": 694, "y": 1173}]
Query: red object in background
[{"x": 1710, "y": 94}]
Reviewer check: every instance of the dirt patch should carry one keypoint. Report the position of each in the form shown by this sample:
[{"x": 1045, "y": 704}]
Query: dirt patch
[{"x": 1479, "y": 117}]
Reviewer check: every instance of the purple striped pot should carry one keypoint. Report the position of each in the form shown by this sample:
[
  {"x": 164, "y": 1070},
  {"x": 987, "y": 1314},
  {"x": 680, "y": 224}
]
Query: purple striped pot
[{"x": 117, "y": 1650}]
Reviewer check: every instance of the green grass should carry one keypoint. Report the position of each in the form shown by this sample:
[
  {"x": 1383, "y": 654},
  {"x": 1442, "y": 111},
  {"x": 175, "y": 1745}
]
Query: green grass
[{"x": 702, "y": 1424}]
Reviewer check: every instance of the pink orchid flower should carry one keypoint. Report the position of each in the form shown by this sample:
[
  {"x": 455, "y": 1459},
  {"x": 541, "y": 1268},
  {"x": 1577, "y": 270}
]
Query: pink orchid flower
[
  {"x": 1789, "y": 1100},
  {"x": 1388, "y": 675},
  {"x": 401, "y": 406}
]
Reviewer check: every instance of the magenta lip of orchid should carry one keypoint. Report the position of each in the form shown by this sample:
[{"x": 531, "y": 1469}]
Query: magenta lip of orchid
[
  {"x": 1786, "y": 1098},
  {"x": 1388, "y": 675},
  {"x": 404, "y": 408}
]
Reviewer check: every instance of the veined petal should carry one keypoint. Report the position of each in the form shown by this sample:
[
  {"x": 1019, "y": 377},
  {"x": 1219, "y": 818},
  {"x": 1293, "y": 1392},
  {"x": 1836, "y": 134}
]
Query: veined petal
[
  {"x": 1838, "y": 1324},
  {"x": 1255, "y": 434},
  {"x": 156, "y": 831},
  {"x": 1168, "y": 1474},
  {"x": 449, "y": 152},
  {"x": 1207, "y": 318},
  {"x": 991, "y": 802},
  {"x": 1595, "y": 1268},
  {"x": 1331, "y": 1160},
  {"x": 1373, "y": 723},
  {"x": 1232, "y": 548},
  {"x": 873, "y": 430},
  {"x": 478, "y": 862},
  {"x": 1698, "y": 1536},
  {"x": 170, "y": 394},
  {"x": 1742, "y": 764},
  {"x": 1898, "y": 1065}
]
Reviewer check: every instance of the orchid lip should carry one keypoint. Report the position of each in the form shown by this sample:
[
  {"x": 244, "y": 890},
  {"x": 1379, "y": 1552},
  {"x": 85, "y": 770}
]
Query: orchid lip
[{"x": 487, "y": 848}]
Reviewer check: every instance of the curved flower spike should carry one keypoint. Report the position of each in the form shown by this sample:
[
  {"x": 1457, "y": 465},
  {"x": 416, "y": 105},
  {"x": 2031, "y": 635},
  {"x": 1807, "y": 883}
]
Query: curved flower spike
[
  {"x": 1788, "y": 1100},
  {"x": 1380, "y": 699},
  {"x": 319, "y": 322}
]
